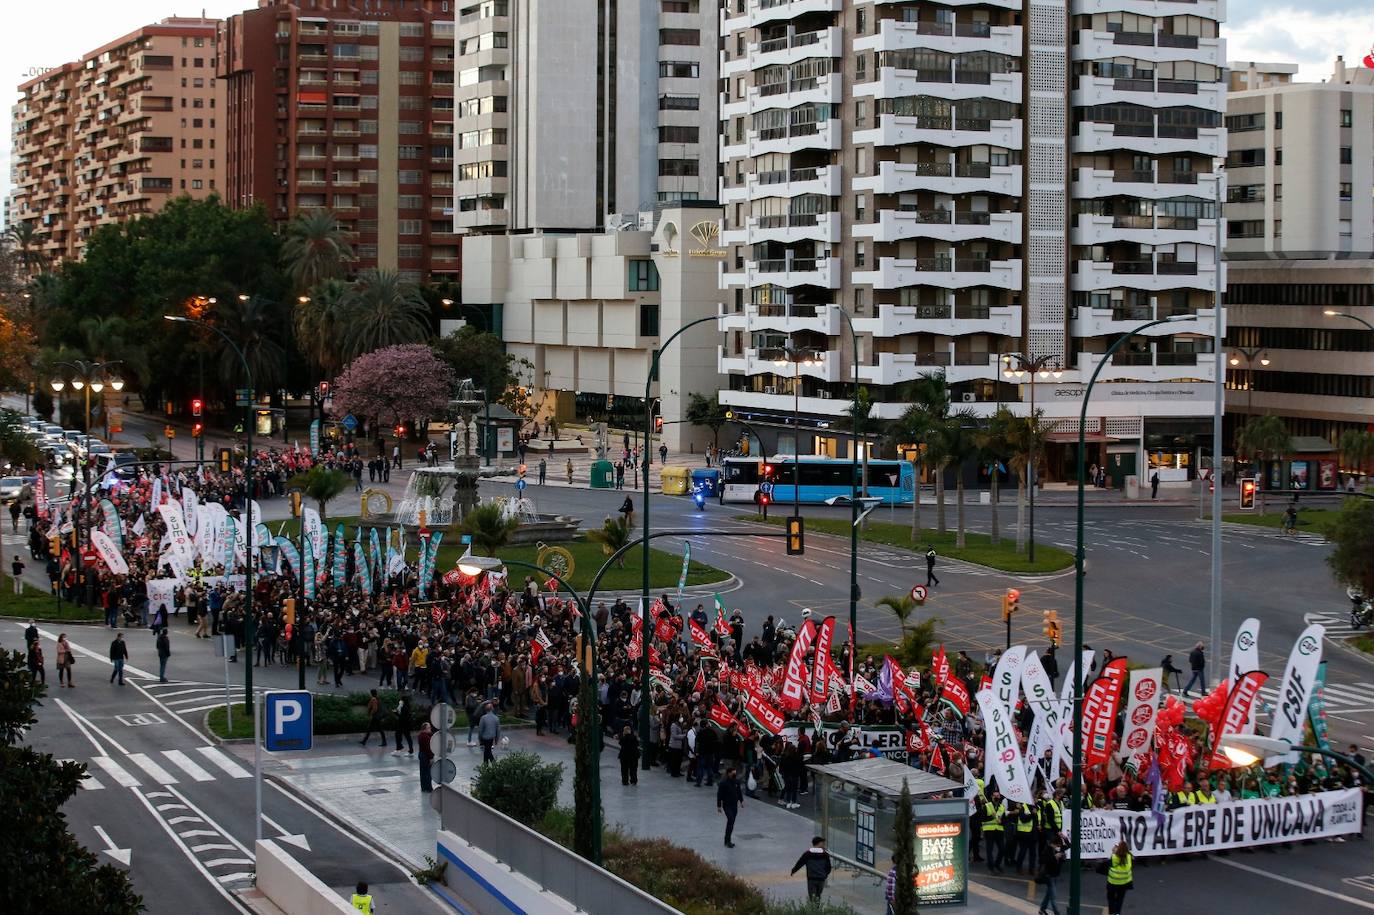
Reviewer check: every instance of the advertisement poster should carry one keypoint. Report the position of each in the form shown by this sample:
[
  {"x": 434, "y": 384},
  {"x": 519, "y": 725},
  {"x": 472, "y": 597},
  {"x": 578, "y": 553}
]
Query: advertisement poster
[
  {"x": 1298, "y": 475},
  {"x": 1326, "y": 476},
  {"x": 1275, "y": 475},
  {"x": 865, "y": 834},
  {"x": 942, "y": 863},
  {"x": 887, "y": 739}
]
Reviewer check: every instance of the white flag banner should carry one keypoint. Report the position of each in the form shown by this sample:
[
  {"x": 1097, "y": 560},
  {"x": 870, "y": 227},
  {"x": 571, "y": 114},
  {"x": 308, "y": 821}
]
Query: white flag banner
[
  {"x": 139, "y": 526},
  {"x": 1041, "y": 740},
  {"x": 178, "y": 540},
  {"x": 1081, "y": 668},
  {"x": 189, "y": 504},
  {"x": 314, "y": 531},
  {"x": 1051, "y": 720},
  {"x": 1002, "y": 753},
  {"x": 106, "y": 549},
  {"x": 156, "y": 493},
  {"x": 162, "y": 593},
  {"x": 1142, "y": 702},
  {"x": 1295, "y": 692},
  {"x": 1006, "y": 680},
  {"x": 1245, "y": 649}
]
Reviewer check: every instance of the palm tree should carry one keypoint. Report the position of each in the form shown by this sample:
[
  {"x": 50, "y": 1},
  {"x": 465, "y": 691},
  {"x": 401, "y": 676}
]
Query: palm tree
[
  {"x": 1025, "y": 436},
  {"x": 319, "y": 325},
  {"x": 256, "y": 326},
  {"x": 612, "y": 536},
  {"x": 24, "y": 236},
  {"x": 1265, "y": 436},
  {"x": 314, "y": 249},
  {"x": 383, "y": 310},
  {"x": 992, "y": 442},
  {"x": 489, "y": 527},
  {"x": 958, "y": 444},
  {"x": 1356, "y": 448},
  {"x": 856, "y": 418},
  {"x": 320, "y": 484},
  {"x": 929, "y": 399},
  {"x": 901, "y": 605}
]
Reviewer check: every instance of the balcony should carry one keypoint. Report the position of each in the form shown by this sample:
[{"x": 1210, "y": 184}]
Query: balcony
[
  {"x": 1143, "y": 230},
  {"x": 824, "y": 272},
  {"x": 761, "y": 12},
  {"x": 944, "y": 177},
  {"x": 825, "y": 89},
  {"x": 1148, "y": 46},
  {"x": 954, "y": 84},
  {"x": 792, "y": 48},
  {"x": 901, "y": 130},
  {"x": 795, "y": 137},
  {"x": 891, "y": 321},
  {"x": 788, "y": 228},
  {"x": 791, "y": 319},
  {"x": 1095, "y": 183},
  {"x": 1091, "y": 276},
  {"x": 823, "y": 181},
  {"x": 1095, "y": 90},
  {"x": 1146, "y": 138},
  {"x": 945, "y": 272},
  {"x": 946, "y": 225},
  {"x": 955, "y": 38}
]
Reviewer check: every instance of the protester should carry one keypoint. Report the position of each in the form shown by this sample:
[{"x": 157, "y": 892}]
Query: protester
[
  {"x": 816, "y": 860},
  {"x": 729, "y": 799}
]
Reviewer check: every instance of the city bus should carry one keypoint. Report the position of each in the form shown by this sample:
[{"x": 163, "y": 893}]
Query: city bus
[{"x": 821, "y": 478}]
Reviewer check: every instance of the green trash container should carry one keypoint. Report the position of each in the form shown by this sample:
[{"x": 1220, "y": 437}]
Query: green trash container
[{"x": 603, "y": 475}]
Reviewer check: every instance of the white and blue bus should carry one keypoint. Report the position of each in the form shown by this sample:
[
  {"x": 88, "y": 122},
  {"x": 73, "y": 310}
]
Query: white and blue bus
[{"x": 819, "y": 478}]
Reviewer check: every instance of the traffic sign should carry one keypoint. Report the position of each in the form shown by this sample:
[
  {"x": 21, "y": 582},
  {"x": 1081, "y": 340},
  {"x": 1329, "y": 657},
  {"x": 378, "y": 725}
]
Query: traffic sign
[
  {"x": 442, "y": 716},
  {"x": 919, "y": 594},
  {"x": 350, "y": 422},
  {"x": 168, "y": 432},
  {"x": 290, "y": 721},
  {"x": 443, "y": 770},
  {"x": 520, "y": 484},
  {"x": 766, "y": 488},
  {"x": 241, "y": 397}
]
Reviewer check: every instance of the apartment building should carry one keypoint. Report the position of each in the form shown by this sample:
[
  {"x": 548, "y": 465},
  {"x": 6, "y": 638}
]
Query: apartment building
[
  {"x": 587, "y": 311},
  {"x": 583, "y": 113},
  {"x": 347, "y": 105},
  {"x": 117, "y": 133},
  {"x": 1300, "y": 243},
  {"x": 954, "y": 182}
]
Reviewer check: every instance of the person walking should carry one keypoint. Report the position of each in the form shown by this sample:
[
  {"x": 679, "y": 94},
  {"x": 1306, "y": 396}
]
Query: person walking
[
  {"x": 543, "y": 471},
  {"x": 362, "y": 899},
  {"x": 488, "y": 732},
  {"x": 816, "y": 860},
  {"x": 1119, "y": 880},
  {"x": 164, "y": 651},
  {"x": 729, "y": 799},
  {"x": 404, "y": 723},
  {"x": 17, "y": 570},
  {"x": 931, "y": 580},
  {"x": 426, "y": 757},
  {"x": 65, "y": 659},
  {"x": 627, "y": 510},
  {"x": 570, "y": 471},
  {"x": 119, "y": 653},
  {"x": 374, "y": 719},
  {"x": 1154, "y": 485},
  {"x": 629, "y": 756},
  {"x": 1051, "y": 862},
  {"x": 37, "y": 673},
  {"x": 662, "y": 454},
  {"x": 1197, "y": 660},
  {"x": 396, "y": 455}
]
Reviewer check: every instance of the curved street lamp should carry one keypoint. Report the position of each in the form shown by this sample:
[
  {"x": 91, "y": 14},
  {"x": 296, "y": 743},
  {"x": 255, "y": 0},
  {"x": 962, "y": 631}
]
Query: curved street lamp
[
  {"x": 88, "y": 377},
  {"x": 1341, "y": 314}
]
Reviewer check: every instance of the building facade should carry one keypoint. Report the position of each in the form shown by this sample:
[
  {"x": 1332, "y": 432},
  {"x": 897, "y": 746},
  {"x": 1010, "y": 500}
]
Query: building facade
[
  {"x": 576, "y": 115},
  {"x": 587, "y": 312},
  {"x": 1300, "y": 227},
  {"x": 347, "y": 105},
  {"x": 117, "y": 133},
  {"x": 930, "y": 175}
]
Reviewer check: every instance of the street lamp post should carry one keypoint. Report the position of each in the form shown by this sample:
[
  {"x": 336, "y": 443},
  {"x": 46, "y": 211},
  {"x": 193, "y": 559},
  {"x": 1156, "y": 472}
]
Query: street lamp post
[
  {"x": 1341, "y": 314},
  {"x": 1044, "y": 367},
  {"x": 88, "y": 377},
  {"x": 1248, "y": 749},
  {"x": 1249, "y": 353},
  {"x": 1076, "y": 790},
  {"x": 249, "y": 622}
]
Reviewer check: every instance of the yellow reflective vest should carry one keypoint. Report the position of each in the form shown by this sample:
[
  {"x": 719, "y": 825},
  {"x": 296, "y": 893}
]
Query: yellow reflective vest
[
  {"x": 363, "y": 903},
  {"x": 993, "y": 816},
  {"x": 1186, "y": 798},
  {"x": 1119, "y": 871},
  {"x": 1204, "y": 798}
]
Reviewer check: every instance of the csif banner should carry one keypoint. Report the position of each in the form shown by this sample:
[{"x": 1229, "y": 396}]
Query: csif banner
[{"x": 1295, "y": 691}]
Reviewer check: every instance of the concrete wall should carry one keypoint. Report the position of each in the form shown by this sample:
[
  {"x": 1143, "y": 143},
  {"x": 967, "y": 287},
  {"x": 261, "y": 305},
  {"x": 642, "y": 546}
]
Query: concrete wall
[{"x": 291, "y": 887}]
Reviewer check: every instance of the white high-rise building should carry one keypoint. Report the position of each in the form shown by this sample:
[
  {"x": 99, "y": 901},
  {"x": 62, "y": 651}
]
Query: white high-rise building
[
  {"x": 965, "y": 181},
  {"x": 577, "y": 114}
]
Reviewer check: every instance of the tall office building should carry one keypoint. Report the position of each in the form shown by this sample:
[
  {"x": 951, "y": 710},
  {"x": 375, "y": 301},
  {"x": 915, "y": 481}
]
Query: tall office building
[
  {"x": 583, "y": 113},
  {"x": 347, "y": 105},
  {"x": 966, "y": 181},
  {"x": 117, "y": 133},
  {"x": 1300, "y": 227}
]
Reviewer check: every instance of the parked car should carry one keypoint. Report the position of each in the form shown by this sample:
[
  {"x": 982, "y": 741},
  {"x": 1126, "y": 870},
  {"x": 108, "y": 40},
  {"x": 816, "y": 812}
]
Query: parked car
[{"x": 11, "y": 487}]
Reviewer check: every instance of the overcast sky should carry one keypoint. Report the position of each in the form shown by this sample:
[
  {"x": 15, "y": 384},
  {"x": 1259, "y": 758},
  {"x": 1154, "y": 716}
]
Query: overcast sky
[{"x": 34, "y": 33}]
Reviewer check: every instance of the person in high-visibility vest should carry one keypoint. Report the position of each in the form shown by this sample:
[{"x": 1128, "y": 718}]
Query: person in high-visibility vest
[
  {"x": 993, "y": 812},
  {"x": 1027, "y": 821},
  {"x": 1184, "y": 798},
  {"x": 1204, "y": 795},
  {"x": 1119, "y": 877},
  {"x": 362, "y": 899}
]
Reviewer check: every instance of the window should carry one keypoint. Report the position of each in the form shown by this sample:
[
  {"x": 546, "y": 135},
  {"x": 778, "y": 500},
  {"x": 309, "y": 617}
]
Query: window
[
  {"x": 408, "y": 226},
  {"x": 1344, "y": 190},
  {"x": 861, "y": 21},
  {"x": 679, "y": 134},
  {"x": 642, "y": 277},
  {"x": 1346, "y": 157},
  {"x": 1236, "y": 123},
  {"x": 678, "y": 69},
  {"x": 678, "y": 103},
  {"x": 1346, "y": 117},
  {"x": 410, "y": 202},
  {"x": 196, "y": 184},
  {"x": 648, "y": 318},
  {"x": 195, "y": 122},
  {"x": 1244, "y": 158},
  {"x": 408, "y": 176},
  {"x": 860, "y": 300},
  {"x": 679, "y": 36},
  {"x": 860, "y": 113},
  {"x": 860, "y": 252},
  {"x": 678, "y": 167}
]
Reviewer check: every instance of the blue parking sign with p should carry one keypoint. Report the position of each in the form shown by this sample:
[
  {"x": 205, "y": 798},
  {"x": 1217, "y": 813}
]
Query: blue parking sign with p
[{"x": 289, "y": 722}]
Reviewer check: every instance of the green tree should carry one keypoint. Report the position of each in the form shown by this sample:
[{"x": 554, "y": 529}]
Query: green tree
[
  {"x": 384, "y": 310},
  {"x": 319, "y": 324},
  {"x": 993, "y": 441},
  {"x": 489, "y": 528},
  {"x": 40, "y": 860},
  {"x": 320, "y": 484},
  {"x": 1264, "y": 437},
  {"x": 314, "y": 250},
  {"x": 1352, "y": 532},
  {"x": 520, "y": 785},
  {"x": 481, "y": 356},
  {"x": 958, "y": 444},
  {"x": 1025, "y": 435},
  {"x": 901, "y": 605},
  {"x": 708, "y": 413},
  {"x": 1356, "y": 449},
  {"x": 904, "y": 854},
  {"x": 929, "y": 404},
  {"x": 258, "y": 327},
  {"x": 24, "y": 237},
  {"x": 613, "y": 534}
]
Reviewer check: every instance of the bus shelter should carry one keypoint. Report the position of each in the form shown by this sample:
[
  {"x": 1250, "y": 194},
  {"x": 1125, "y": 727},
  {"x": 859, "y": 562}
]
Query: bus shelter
[{"x": 855, "y": 809}]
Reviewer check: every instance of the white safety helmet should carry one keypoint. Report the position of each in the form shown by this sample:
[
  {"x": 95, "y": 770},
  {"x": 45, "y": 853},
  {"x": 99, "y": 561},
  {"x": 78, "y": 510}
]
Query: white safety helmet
[{"x": 806, "y": 614}]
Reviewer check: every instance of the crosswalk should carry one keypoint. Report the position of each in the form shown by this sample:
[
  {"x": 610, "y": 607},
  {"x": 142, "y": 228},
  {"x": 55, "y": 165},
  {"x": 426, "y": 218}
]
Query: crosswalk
[
  {"x": 1337, "y": 627},
  {"x": 164, "y": 767},
  {"x": 191, "y": 699}
]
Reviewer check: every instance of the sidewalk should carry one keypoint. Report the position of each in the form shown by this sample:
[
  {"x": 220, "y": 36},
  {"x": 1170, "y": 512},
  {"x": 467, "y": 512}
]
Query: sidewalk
[{"x": 378, "y": 796}]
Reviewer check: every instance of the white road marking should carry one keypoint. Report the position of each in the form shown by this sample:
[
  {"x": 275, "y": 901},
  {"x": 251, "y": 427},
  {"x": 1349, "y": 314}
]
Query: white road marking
[
  {"x": 1298, "y": 883},
  {"x": 210, "y": 846},
  {"x": 172, "y": 807},
  {"x": 88, "y": 781},
  {"x": 159, "y": 774},
  {"x": 200, "y": 708},
  {"x": 112, "y": 768},
  {"x": 184, "y": 819},
  {"x": 187, "y": 765},
  {"x": 89, "y": 729},
  {"x": 217, "y": 884},
  {"x": 218, "y": 757},
  {"x": 238, "y": 875},
  {"x": 222, "y": 862},
  {"x": 198, "y": 834}
]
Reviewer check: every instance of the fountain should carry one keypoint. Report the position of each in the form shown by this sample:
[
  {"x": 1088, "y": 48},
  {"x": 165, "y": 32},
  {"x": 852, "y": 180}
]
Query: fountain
[{"x": 436, "y": 491}]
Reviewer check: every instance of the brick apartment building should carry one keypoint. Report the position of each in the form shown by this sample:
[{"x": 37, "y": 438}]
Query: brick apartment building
[
  {"x": 117, "y": 133},
  {"x": 348, "y": 105}
]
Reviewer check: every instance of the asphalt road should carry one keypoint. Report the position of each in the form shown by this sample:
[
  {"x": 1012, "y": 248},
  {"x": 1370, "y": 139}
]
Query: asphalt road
[{"x": 181, "y": 807}]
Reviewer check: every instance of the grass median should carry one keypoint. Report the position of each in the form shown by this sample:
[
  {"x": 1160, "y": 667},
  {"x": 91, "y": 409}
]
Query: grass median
[
  {"x": 978, "y": 549},
  {"x": 1310, "y": 520},
  {"x": 37, "y": 604},
  {"x": 588, "y": 557},
  {"x": 344, "y": 713}
]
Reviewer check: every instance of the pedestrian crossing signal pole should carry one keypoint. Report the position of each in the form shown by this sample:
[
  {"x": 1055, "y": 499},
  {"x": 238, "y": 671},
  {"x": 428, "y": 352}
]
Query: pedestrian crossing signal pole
[
  {"x": 1011, "y": 602},
  {"x": 796, "y": 536},
  {"x": 1052, "y": 629}
]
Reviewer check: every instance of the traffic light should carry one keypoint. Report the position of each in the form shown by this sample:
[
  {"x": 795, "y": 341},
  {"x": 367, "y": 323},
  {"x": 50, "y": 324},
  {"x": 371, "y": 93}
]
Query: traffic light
[
  {"x": 767, "y": 471},
  {"x": 1247, "y": 494},
  {"x": 294, "y": 497},
  {"x": 197, "y": 407},
  {"x": 1051, "y": 629},
  {"x": 226, "y": 460},
  {"x": 1011, "y": 602},
  {"x": 288, "y": 607},
  {"x": 658, "y": 423},
  {"x": 521, "y": 471},
  {"x": 796, "y": 536},
  {"x": 197, "y": 429},
  {"x": 400, "y": 430}
]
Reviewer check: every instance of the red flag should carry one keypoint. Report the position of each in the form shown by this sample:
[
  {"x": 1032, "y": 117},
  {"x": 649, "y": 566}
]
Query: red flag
[
  {"x": 937, "y": 760},
  {"x": 794, "y": 687},
  {"x": 722, "y": 627},
  {"x": 721, "y": 717},
  {"x": 985, "y": 683},
  {"x": 538, "y": 644},
  {"x": 654, "y": 659},
  {"x": 955, "y": 695},
  {"x": 822, "y": 664},
  {"x": 656, "y": 608},
  {"x": 1238, "y": 704},
  {"x": 699, "y": 685},
  {"x": 701, "y": 639},
  {"x": 761, "y": 714},
  {"x": 405, "y": 603},
  {"x": 940, "y": 665},
  {"x": 1100, "y": 705},
  {"x": 663, "y": 629},
  {"x": 492, "y": 619},
  {"x": 439, "y": 614}
]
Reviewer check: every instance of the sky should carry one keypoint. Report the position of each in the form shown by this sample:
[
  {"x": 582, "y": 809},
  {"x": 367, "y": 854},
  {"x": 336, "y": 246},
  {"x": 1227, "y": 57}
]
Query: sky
[{"x": 34, "y": 33}]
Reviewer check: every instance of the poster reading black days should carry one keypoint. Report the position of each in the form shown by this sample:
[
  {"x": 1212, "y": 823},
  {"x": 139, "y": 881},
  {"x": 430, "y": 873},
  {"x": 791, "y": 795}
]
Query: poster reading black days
[
  {"x": 1211, "y": 827},
  {"x": 942, "y": 862}
]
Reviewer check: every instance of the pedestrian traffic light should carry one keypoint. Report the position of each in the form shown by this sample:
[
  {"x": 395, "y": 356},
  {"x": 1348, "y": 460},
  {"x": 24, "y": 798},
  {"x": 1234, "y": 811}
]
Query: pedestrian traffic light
[
  {"x": 1247, "y": 494},
  {"x": 288, "y": 607},
  {"x": 197, "y": 407},
  {"x": 521, "y": 471},
  {"x": 796, "y": 536},
  {"x": 400, "y": 430},
  {"x": 1052, "y": 630},
  {"x": 1011, "y": 602},
  {"x": 197, "y": 429},
  {"x": 658, "y": 423},
  {"x": 226, "y": 460}
]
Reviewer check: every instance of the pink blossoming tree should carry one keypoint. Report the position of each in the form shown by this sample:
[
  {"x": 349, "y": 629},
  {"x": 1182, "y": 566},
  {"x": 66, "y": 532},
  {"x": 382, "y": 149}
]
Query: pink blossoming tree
[{"x": 395, "y": 384}]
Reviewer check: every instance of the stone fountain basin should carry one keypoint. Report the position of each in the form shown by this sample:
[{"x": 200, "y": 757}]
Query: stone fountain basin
[{"x": 548, "y": 529}]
